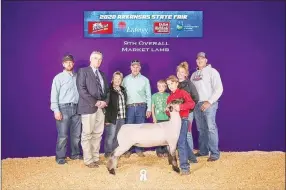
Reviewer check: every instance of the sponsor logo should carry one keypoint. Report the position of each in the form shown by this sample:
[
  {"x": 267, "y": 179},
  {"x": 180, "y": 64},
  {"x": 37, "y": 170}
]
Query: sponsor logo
[
  {"x": 186, "y": 27},
  {"x": 100, "y": 27},
  {"x": 180, "y": 26},
  {"x": 137, "y": 30},
  {"x": 161, "y": 27},
  {"x": 122, "y": 25}
]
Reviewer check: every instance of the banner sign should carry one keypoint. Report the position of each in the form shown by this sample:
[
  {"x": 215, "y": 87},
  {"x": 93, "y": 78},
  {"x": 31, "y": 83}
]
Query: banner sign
[{"x": 143, "y": 24}]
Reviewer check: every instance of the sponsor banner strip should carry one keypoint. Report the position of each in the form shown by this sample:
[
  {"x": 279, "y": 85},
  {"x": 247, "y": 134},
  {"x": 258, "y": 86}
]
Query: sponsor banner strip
[{"x": 143, "y": 24}]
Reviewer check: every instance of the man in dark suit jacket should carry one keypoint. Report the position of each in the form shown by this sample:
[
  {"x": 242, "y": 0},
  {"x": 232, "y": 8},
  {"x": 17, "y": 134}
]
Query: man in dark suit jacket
[{"x": 93, "y": 98}]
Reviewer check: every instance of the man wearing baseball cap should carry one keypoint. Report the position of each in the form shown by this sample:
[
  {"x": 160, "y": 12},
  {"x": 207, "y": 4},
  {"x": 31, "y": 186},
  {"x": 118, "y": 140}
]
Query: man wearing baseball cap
[
  {"x": 138, "y": 99},
  {"x": 209, "y": 86},
  {"x": 64, "y": 100}
]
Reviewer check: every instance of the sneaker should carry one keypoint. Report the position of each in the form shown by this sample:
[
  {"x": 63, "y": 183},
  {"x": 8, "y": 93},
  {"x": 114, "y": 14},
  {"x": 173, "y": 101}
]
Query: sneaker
[
  {"x": 165, "y": 154},
  {"x": 92, "y": 165},
  {"x": 193, "y": 161},
  {"x": 127, "y": 154},
  {"x": 99, "y": 162},
  {"x": 198, "y": 154},
  {"x": 160, "y": 155},
  {"x": 61, "y": 161},
  {"x": 210, "y": 159},
  {"x": 107, "y": 155},
  {"x": 185, "y": 172},
  {"x": 77, "y": 157},
  {"x": 140, "y": 154}
]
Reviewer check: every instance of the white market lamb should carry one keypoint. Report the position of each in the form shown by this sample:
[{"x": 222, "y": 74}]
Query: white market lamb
[{"x": 149, "y": 135}]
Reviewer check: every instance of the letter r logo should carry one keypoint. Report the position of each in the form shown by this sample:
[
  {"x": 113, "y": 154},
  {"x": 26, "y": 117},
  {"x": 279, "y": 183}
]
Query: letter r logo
[{"x": 143, "y": 175}]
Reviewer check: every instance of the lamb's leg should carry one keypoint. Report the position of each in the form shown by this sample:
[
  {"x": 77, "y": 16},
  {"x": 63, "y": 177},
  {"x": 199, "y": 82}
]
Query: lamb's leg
[
  {"x": 173, "y": 158},
  {"x": 111, "y": 164},
  {"x": 169, "y": 156},
  {"x": 113, "y": 159},
  {"x": 175, "y": 164}
]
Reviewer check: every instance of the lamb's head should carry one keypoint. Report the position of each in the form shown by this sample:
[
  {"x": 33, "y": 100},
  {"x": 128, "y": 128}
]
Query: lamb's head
[{"x": 170, "y": 106}]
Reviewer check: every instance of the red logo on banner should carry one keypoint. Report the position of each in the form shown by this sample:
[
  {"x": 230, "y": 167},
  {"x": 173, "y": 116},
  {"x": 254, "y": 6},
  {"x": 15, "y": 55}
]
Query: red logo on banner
[
  {"x": 122, "y": 25},
  {"x": 100, "y": 27},
  {"x": 161, "y": 27}
]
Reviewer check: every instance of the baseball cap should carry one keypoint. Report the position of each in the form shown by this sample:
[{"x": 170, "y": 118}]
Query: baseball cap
[
  {"x": 201, "y": 54},
  {"x": 134, "y": 62},
  {"x": 68, "y": 57}
]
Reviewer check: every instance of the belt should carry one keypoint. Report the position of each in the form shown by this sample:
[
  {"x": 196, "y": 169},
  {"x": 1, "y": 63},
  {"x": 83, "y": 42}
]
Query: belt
[
  {"x": 68, "y": 104},
  {"x": 136, "y": 104}
]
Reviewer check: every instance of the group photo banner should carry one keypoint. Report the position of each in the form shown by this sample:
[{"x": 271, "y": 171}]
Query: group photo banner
[{"x": 143, "y": 24}]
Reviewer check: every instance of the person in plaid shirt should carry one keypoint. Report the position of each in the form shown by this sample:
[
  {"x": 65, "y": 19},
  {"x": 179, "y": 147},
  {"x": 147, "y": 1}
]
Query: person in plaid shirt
[{"x": 115, "y": 113}]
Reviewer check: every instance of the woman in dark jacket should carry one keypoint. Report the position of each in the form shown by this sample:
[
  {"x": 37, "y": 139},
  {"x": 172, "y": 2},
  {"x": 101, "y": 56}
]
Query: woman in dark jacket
[
  {"x": 187, "y": 85},
  {"x": 115, "y": 113}
]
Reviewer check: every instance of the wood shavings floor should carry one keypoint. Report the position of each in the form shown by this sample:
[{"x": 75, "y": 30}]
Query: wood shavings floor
[{"x": 235, "y": 170}]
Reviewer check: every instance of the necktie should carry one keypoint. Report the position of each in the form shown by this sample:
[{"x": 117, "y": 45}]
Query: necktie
[{"x": 98, "y": 82}]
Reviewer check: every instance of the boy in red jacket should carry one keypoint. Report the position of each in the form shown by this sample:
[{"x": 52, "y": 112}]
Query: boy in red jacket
[{"x": 184, "y": 109}]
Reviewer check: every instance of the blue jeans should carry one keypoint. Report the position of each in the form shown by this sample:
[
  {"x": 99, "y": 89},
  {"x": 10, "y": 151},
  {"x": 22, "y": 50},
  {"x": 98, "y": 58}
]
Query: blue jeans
[
  {"x": 136, "y": 115},
  {"x": 161, "y": 149},
  {"x": 183, "y": 146},
  {"x": 190, "y": 142},
  {"x": 208, "y": 132},
  {"x": 111, "y": 132},
  {"x": 71, "y": 121}
]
